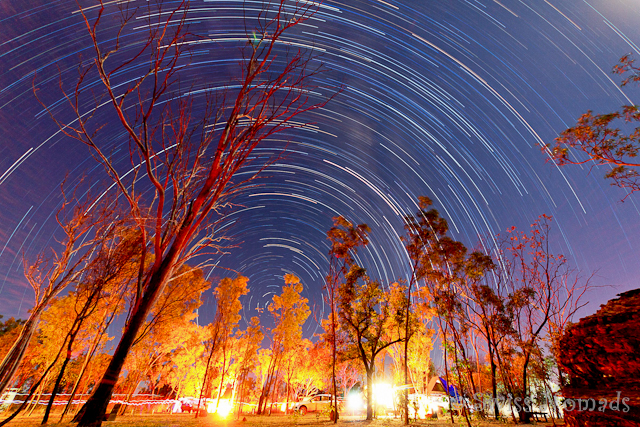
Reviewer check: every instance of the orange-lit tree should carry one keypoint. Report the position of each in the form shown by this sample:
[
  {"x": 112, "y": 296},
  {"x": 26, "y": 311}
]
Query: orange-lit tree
[
  {"x": 105, "y": 279},
  {"x": 370, "y": 317},
  {"x": 9, "y": 331},
  {"x": 157, "y": 338},
  {"x": 424, "y": 230},
  {"x": 187, "y": 361},
  {"x": 602, "y": 139},
  {"x": 183, "y": 171},
  {"x": 310, "y": 374},
  {"x": 345, "y": 240},
  {"x": 228, "y": 307},
  {"x": 247, "y": 345},
  {"x": 289, "y": 310}
]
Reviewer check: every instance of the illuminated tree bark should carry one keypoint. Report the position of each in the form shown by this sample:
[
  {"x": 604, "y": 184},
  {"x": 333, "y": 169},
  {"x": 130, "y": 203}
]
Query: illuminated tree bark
[
  {"x": 289, "y": 310},
  {"x": 228, "y": 307}
]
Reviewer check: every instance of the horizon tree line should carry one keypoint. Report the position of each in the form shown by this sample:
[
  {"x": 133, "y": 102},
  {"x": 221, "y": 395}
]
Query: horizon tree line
[{"x": 497, "y": 315}]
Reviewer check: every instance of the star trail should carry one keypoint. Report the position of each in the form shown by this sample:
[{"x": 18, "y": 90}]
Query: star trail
[{"x": 448, "y": 99}]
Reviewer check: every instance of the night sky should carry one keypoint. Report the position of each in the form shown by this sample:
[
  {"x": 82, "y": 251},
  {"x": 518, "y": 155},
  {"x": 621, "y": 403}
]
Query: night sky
[{"x": 448, "y": 99}]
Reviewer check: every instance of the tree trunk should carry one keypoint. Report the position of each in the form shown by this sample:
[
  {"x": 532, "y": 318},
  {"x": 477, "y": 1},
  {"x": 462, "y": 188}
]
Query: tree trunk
[
  {"x": 273, "y": 390},
  {"x": 267, "y": 385},
  {"x": 36, "y": 398},
  {"x": 56, "y": 385},
  {"x": 505, "y": 379},
  {"x": 206, "y": 372},
  {"x": 525, "y": 412},
  {"x": 446, "y": 372},
  {"x": 240, "y": 392},
  {"x": 234, "y": 391},
  {"x": 261, "y": 398},
  {"x": 370, "y": 392},
  {"x": 461, "y": 391},
  {"x": 288, "y": 390},
  {"x": 129, "y": 394},
  {"x": 26, "y": 400},
  {"x": 33, "y": 389},
  {"x": 494, "y": 384},
  {"x": 334, "y": 357},
  {"x": 222, "y": 375},
  {"x": 405, "y": 400}
]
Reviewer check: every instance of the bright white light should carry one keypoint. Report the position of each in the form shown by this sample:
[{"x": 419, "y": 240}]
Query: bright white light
[
  {"x": 355, "y": 402},
  {"x": 224, "y": 408},
  {"x": 383, "y": 394}
]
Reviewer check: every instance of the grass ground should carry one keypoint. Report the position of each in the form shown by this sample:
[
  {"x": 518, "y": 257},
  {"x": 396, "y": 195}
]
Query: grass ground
[{"x": 188, "y": 420}]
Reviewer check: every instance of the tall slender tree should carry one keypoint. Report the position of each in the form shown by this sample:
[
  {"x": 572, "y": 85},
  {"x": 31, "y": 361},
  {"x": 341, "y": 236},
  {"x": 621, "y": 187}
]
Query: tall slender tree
[
  {"x": 106, "y": 278},
  {"x": 440, "y": 262},
  {"x": 345, "y": 240},
  {"x": 289, "y": 310},
  {"x": 228, "y": 307},
  {"x": 249, "y": 344}
]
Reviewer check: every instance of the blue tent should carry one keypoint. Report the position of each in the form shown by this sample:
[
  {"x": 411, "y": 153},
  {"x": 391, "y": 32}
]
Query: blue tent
[{"x": 451, "y": 390}]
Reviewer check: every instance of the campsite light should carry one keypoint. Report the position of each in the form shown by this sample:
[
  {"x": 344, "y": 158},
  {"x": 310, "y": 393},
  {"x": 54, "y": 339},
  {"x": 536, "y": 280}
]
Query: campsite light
[
  {"x": 383, "y": 394},
  {"x": 224, "y": 408},
  {"x": 355, "y": 402}
]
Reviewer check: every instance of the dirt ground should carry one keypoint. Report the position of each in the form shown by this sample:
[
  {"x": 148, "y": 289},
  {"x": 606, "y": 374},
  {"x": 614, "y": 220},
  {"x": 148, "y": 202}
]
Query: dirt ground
[{"x": 188, "y": 420}]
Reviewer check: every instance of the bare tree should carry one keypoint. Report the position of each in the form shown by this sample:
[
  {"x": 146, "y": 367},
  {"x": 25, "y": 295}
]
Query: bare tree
[
  {"x": 186, "y": 167},
  {"x": 543, "y": 290}
]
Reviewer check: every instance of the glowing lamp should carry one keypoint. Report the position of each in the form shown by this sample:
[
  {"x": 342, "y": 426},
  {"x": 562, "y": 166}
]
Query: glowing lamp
[
  {"x": 355, "y": 402},
  {"x": 383, "y": 394},
  {"x": 224, "y": 408}
]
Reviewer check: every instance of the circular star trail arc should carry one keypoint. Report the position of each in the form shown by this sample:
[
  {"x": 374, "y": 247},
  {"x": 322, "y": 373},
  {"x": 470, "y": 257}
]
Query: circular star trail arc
[{"x": 445, "y": 99}]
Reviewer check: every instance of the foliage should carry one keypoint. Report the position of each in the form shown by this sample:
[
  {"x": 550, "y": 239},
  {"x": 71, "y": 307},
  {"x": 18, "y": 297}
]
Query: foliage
[
  {"x": 9, "y": 331},
  {"x": 606, "y": 139},
  {"x": 289, "y": 311},
  {"x": 221, "y": 330},
  {"x": 370, "y": 317},
  {"x": 90, "y": 224}
]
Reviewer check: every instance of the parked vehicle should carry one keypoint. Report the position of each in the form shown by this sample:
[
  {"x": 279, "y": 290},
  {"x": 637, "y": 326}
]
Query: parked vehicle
[{"x": 317, "y": 403}]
